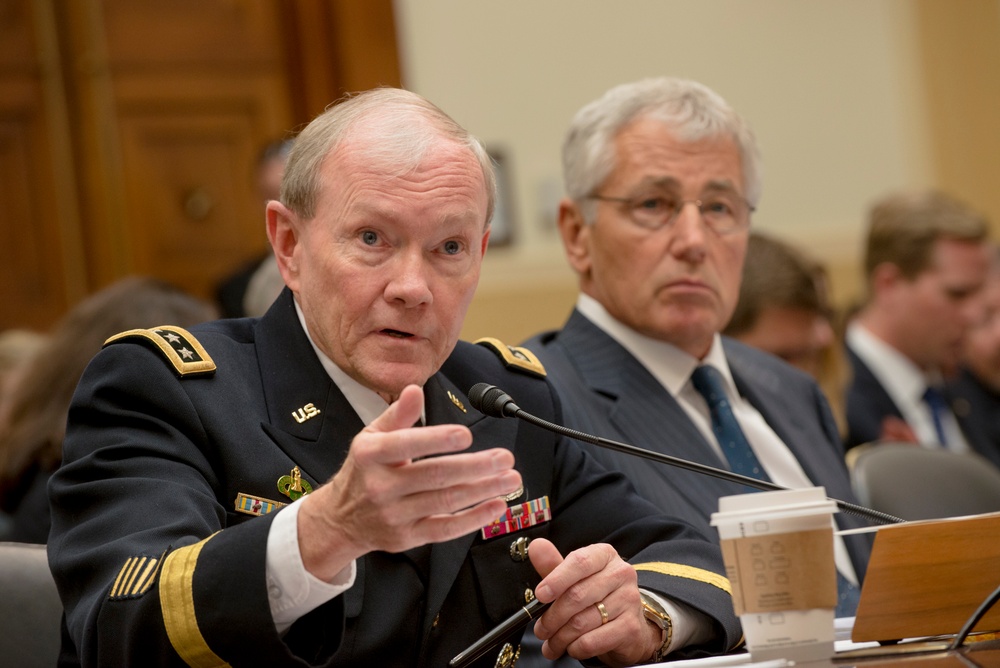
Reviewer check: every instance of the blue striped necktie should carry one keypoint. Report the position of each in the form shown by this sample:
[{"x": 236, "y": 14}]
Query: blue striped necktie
[{"x": 742, "y": 459}]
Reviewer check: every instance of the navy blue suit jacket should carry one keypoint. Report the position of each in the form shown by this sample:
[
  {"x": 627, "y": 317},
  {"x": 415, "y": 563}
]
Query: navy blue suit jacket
[
  {"x": 976, "y": 408},
  {"x": 605, "y": 390},
  {"x": 868, "y": 404}
]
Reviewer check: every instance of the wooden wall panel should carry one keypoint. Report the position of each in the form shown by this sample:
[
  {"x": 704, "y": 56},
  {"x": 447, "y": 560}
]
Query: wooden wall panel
[
  {"x": 186, "y": 206},
  {"x": 129, "y": 129},
  {"x": 40, "y": 254},
  {"x": 30, "y": 257},
  {"x": 960, "y": 48},
  {"x": 152, "y": 35},
  {"x": 337, "y": 47}
]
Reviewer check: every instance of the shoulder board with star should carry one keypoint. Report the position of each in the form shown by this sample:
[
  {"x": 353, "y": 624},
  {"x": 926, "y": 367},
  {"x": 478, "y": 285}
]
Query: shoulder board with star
[
  {"x": 514, "y": 357},
  {"x": 181, "y": 349}
]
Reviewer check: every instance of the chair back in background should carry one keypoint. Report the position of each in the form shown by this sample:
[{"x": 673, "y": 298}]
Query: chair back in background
[
  {"x": 29, "y": 606},
  {"x": 916, "y": 483}
]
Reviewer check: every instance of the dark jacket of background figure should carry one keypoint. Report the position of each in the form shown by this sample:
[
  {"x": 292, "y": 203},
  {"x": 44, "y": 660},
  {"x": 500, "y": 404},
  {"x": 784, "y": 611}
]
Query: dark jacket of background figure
[
  {"x": 976, "y": 408},
  {"x": 605, "y": 390},
  {"x": 161, "y": 481}
]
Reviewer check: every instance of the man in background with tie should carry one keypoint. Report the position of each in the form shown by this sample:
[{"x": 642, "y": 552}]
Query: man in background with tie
[
  {"x": 662, "y": 177},
  {"x": 926, "y": 261}
]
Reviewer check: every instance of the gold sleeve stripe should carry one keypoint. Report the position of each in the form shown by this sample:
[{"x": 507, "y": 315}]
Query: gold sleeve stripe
[
  {"x": 689, "y": 572},
  {"x": 127, "y": 586},
  {"x": 177, "y": 606},
  {"x": 143, "y": 578},
  {"x": 122, "y": 574},
  {"x": 151, "y": 579}
]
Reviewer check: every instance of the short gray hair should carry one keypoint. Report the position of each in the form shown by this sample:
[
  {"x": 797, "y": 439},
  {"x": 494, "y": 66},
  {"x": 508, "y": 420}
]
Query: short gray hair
[
  {"x": 397, "y": 137},
  {"x": 690, "y": 109}
]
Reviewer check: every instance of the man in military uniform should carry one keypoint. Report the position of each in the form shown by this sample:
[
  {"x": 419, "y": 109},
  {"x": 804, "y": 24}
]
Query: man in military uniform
[{"x": 314, "y": 488}]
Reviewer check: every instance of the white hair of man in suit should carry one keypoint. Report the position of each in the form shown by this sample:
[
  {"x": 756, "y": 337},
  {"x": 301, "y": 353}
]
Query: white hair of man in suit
[{"x": 692, "y": 110}]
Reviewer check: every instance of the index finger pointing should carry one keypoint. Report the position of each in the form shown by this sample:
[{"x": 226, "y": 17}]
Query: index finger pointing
[{"x": 402, "y": 413}]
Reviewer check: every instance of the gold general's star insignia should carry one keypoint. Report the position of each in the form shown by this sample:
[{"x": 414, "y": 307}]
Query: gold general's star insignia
[{"x": 181, "y": 349}]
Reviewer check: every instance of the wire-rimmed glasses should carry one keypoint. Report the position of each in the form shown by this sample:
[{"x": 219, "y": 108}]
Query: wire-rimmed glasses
[{"x": 724, "y": 212}]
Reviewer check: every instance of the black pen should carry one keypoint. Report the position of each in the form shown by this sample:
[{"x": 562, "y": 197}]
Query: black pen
[{"x": 518, "y": 620}]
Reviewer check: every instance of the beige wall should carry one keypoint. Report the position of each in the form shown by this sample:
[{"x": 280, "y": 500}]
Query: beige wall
[{"x": 833, "y": 89}]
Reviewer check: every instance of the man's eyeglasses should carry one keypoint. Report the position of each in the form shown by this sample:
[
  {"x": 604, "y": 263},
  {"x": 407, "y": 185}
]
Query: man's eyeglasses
[{"x": 723, "y": 212}]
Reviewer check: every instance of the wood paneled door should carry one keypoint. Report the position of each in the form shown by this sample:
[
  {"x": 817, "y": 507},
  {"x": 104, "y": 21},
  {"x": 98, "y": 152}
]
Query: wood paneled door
[{"x": 129, "y": 130}]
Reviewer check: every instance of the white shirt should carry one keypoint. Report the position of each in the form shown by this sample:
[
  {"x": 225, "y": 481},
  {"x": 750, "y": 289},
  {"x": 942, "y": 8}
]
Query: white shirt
[
  {"x": 672, "y": 367},
  {"x": 905, "y": 383}
]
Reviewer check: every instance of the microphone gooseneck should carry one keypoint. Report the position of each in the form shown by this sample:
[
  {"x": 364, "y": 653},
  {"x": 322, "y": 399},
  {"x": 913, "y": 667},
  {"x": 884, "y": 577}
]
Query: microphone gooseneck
[{"x": 491, "y": 400}]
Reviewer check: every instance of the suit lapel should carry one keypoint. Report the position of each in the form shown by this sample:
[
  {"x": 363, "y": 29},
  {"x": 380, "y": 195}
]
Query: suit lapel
[
  {"x": 296, "y": 386},
  {"x": 642, "y": 408},
  {"x": 444, "y": 403},
  {"x": 645, "y": 414},
  {"x": 765, "y": 393}
]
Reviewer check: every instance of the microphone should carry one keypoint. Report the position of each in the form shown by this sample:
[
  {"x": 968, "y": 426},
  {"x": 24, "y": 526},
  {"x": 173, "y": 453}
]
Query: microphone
[{"x": 494, "y": 402}]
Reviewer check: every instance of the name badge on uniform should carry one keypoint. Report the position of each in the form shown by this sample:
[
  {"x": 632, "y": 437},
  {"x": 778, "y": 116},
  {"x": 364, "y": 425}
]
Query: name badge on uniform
[{"x": 519, "y": 517}]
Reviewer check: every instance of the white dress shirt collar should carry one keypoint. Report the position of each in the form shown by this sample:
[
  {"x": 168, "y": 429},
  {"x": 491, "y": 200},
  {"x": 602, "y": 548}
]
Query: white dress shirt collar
[
  {"x": 901, "y": 378},
  {"x": 365, "y": 402},
  {"x": 670, "y": 365}
]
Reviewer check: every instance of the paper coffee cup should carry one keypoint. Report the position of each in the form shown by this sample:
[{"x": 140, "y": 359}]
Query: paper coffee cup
[{"x": 778, "y": 550}]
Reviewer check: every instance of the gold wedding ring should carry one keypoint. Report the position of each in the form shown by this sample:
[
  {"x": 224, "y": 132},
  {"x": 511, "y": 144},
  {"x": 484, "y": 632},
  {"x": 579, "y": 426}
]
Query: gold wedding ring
[{"x": 604, "y": 612}]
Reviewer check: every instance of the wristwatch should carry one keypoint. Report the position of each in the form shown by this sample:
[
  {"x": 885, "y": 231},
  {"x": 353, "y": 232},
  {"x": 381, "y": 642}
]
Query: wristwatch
[{"x": 654, "y": 612}]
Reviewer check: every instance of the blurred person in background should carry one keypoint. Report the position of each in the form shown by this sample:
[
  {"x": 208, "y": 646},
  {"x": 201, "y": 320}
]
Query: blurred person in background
[
  {"x": 34, "y": 424},
  {"x": 926, "y": 261},
  {"x": 17, "y": 346},
  {"x": 975, "y": 390},
  {"x": 245, "y": 292},
  {"x": 784, "y": 309}
]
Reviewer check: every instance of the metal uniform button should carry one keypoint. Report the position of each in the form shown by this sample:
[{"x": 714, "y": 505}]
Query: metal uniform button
[
  {"x": 519, "y": 549},
  {"x": 529, "y": 595},
  {"x": 508, "y": 656},
  {"x": 437, "y": 620}
]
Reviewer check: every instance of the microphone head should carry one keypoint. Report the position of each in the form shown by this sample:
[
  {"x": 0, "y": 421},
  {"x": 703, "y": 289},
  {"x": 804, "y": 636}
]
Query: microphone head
[{"x": 490, "y": 399}]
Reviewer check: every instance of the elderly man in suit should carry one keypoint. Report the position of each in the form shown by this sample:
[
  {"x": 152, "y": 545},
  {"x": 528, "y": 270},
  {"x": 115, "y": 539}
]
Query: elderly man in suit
[{"x": 661, "y": 178}]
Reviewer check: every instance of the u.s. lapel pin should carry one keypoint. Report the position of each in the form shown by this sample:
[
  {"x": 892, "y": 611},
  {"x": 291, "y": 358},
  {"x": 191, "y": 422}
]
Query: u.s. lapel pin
[
  {"x": 307, "y": 412},
  {"x": 293, "y": 486}
]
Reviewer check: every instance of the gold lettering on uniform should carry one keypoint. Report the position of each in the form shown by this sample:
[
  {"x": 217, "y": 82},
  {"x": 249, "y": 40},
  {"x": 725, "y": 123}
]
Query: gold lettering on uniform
[{"x": 306, "y": 412}]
